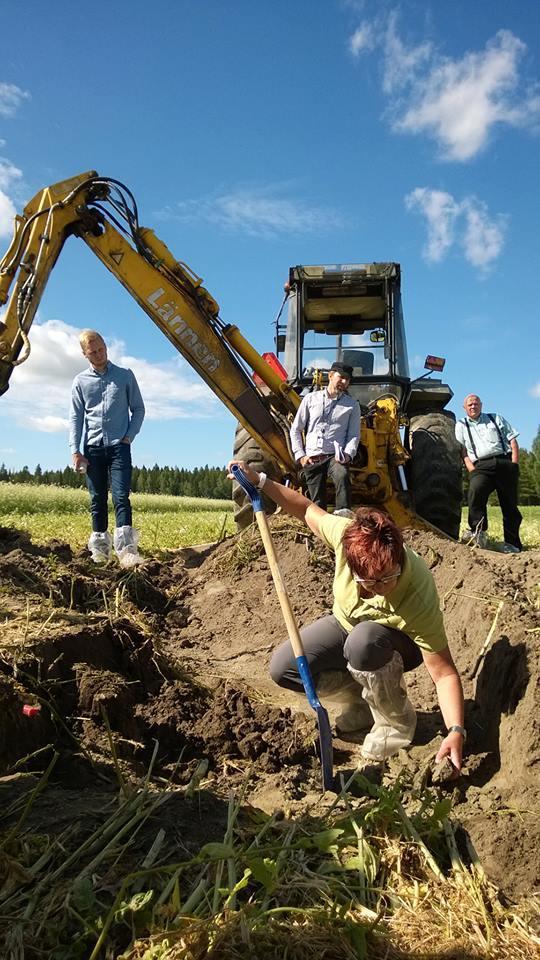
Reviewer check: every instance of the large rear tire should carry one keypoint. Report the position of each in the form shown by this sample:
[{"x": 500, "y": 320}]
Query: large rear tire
[
  {"x": 247, "y": 449},
  {"x": 435, "y": 477}
]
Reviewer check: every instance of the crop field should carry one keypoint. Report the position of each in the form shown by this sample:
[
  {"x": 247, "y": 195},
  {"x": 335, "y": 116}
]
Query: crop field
[{"x": 165, "y": 522}]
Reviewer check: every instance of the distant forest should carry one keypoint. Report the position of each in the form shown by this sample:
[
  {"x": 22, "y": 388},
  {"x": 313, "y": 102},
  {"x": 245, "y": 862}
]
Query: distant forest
[
  {"x": 208, "y": 482},
  {"x": 212, "y": 482}
]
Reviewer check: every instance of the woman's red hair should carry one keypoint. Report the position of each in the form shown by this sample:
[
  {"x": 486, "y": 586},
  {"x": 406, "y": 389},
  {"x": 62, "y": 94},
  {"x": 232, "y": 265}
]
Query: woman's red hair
[{"x": 372, "y": 543}]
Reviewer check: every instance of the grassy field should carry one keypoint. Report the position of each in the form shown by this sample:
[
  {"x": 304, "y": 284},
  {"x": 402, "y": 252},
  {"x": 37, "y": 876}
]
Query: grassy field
[
  {"x": 530, "y": 528},
  {"x": 164, "y": 522}
]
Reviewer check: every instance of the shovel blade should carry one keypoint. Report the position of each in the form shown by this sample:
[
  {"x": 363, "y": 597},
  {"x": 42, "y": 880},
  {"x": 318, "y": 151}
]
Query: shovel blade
[
  {"x": 325, "y": 732},
  {"x": 326, "y": 748}
]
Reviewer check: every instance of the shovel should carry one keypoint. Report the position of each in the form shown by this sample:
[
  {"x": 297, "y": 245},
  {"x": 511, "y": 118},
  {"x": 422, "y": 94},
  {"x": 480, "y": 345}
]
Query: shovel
[{"x": 325, "y": 733}]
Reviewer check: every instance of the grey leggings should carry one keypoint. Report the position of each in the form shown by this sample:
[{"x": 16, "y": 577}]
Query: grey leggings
[{"x": 328, "y": 646}]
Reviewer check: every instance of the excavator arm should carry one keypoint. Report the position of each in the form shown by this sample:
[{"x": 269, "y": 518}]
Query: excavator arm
[{"x": 103, "y": 213}]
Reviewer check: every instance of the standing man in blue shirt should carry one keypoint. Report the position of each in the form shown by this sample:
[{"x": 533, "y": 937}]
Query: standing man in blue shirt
[
  {"x": 106, "y": 405},
  {"x": 324, "y": 436},
  {"x": 491, "y": 455}
]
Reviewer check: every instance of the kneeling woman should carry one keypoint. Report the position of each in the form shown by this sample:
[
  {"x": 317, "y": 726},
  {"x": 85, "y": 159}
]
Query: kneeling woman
[{"x": 385, "y": 620}]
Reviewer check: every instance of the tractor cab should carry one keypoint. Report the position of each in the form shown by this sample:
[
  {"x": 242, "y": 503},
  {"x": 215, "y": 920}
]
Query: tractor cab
[{"x": 352, "y": 313}]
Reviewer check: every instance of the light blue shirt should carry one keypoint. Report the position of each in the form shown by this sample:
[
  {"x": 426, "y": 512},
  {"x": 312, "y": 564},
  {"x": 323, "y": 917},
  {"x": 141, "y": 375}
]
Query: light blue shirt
[
  {"x": 108, "y": 406},
  {"x": 325, "y": 420},
  {"x": 485, "y": 436}
]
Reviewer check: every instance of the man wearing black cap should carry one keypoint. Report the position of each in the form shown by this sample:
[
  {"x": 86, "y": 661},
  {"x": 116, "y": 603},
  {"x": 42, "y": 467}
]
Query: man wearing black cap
[{"x": 325, "y": 435}]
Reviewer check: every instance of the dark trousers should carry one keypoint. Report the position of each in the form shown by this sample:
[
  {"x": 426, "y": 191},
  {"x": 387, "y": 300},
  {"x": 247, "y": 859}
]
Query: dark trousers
[
  {"x": 500, "y": 474},
  {"x": 316, "y": 475},
  {"x": 106, "y": 464},
  {"x": 328, "y": 646}
]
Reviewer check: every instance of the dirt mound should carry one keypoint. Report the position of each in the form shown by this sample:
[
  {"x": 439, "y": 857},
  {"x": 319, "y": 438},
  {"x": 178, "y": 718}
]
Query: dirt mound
[
  {"x": 492, "y": 617},
  {"x": 176, "y": 654}
]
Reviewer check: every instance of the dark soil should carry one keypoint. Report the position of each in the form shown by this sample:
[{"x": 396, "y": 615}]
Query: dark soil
[{"x": 176, "y": 653}]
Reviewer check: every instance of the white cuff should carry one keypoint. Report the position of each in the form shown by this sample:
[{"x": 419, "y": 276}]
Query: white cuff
[{"x": 261, "y": 481}]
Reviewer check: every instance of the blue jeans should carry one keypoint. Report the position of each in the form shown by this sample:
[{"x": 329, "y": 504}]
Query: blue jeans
[{"x": 112, "y": 462}]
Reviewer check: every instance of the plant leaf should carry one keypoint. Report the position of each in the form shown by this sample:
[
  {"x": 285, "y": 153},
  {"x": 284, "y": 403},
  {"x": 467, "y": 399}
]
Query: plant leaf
[{"x": 217, "y": 851}]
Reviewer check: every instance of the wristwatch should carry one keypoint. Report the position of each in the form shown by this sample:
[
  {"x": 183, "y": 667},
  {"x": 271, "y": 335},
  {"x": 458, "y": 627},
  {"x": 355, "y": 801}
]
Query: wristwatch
[{"x": 456, "y": 728}]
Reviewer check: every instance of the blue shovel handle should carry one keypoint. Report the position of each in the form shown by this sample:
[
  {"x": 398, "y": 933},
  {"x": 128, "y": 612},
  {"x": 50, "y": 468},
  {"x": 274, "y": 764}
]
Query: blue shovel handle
[
  {"x": 254, "y": 495},
  {"x": 325, "y": 733}
]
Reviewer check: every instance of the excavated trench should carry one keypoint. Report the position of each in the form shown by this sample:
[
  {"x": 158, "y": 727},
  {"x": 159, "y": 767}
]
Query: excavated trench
[{"x": 167, "y": 666}]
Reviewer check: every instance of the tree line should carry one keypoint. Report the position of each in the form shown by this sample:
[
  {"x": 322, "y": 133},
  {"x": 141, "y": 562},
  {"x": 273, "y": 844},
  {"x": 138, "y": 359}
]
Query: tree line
[
  {"x": 208, "y": 482},
  {"x": 212, "y": 482}
]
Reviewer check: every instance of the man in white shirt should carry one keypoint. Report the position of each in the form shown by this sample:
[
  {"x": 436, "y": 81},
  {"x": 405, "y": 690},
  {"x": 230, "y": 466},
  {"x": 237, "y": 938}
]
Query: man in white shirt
[
  {"x": 491, "y": 455},
  {"x": 325, "y": 434}
]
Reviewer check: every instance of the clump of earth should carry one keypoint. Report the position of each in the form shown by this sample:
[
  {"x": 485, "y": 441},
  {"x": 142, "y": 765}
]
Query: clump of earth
[{"x": 169, "y": 664}]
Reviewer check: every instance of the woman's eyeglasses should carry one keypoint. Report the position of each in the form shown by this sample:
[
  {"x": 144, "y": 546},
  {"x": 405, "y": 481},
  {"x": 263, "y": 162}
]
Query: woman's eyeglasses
[{"x": 373, "y": 583}]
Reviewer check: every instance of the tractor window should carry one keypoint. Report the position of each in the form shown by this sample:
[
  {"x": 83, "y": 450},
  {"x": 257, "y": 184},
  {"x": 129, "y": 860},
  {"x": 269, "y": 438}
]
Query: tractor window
[
  {"x": 402, "y": 363},
  {"x": 365, "y": 357}
]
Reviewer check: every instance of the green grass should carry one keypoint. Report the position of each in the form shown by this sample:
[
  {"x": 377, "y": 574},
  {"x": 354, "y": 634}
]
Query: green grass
[
  {"x": 165, "y": 522},
  {"x": 530, "y": 528}
]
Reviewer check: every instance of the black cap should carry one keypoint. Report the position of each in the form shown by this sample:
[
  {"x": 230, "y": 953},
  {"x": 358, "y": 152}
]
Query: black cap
[{"x": 342, "y": 368}]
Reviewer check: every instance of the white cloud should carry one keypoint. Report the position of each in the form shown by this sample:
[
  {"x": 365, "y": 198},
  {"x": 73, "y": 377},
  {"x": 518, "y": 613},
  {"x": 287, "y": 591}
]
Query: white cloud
[
  {"x": 11, "y": 98},
  {"x": 363, "y": 38},
  {"x": 466, "y": 223},
  {"x": 256, "y": 211},
  {"x": 459, "y": 101},
  {"x": 48, "y": 424},
  {"x": 169, "y": 390},
  {"x": 7, "y": 213},
  {"x": 456, "y": 101},
  {"x": 440, "y": 210},
  {"x": 401, "y": 64},
  {"x": 535, "y": 391},
  {"x": 9, "y": 175},
  {"x": 38, "y": 397},
  {"x": 483, "y": 238}
]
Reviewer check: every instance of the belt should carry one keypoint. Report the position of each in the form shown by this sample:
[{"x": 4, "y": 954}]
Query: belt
[
  {"x": 319, "y": 457},
  {"x": 495, "y": 456}
]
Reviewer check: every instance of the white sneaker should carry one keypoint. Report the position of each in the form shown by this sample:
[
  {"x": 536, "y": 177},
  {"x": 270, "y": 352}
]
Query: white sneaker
[
  {"x": 509, "y": 548},
  {"x": 344, "y": 512}
]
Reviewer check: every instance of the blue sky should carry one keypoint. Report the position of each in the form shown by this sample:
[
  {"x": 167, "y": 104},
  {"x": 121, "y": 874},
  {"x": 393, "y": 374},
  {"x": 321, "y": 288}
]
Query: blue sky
[{"x": 260, "y": 135}]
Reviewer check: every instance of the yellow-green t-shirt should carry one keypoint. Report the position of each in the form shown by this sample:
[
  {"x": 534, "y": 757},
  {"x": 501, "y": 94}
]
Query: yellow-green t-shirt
[{"x": 413, "y": 606}]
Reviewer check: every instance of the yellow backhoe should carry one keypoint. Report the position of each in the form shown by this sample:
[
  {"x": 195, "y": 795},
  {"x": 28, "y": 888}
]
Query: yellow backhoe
[{"x": 407, "y": 460}]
